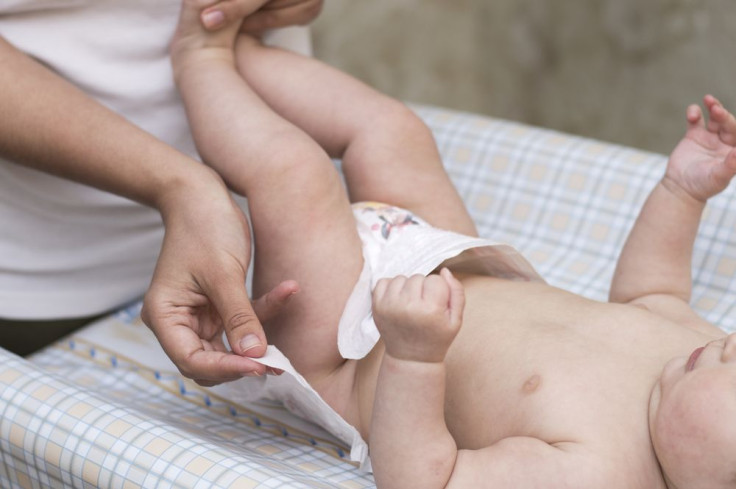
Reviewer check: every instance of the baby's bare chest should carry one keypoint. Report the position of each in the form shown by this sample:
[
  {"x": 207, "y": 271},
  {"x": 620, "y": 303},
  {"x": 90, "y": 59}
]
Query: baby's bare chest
[{"x": 557, "y": 368}]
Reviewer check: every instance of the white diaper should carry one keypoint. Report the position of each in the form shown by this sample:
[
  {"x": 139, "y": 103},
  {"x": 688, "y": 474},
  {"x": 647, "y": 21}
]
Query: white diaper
[{"x": 396, "y": 242}]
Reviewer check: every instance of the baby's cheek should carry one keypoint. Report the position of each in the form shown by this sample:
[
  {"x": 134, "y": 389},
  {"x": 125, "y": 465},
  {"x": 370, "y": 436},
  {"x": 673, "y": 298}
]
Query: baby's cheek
[{"x": 692, "y": 422}]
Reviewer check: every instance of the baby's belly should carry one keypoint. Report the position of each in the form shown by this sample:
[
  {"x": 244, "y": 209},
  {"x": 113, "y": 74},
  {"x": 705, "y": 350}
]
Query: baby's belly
[{"x": 532, "y": 360}]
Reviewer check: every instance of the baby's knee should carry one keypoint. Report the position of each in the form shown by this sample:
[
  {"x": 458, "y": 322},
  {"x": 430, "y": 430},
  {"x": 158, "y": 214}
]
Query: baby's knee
[
  {"x": 391, "y": 125},
  {"x": 299, "y": 158},
  {"x": 396, "y": 119}
]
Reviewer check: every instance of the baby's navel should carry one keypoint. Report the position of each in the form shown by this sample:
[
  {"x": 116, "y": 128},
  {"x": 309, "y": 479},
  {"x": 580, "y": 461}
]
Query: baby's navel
[{"x": 531, "y": 384}]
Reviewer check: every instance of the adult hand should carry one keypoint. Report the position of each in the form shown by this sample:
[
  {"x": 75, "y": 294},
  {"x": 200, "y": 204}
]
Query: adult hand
[
  {"x": 282, "y": 13},
  {"x": 198, "y": 291},
  {"x": 271, "y": 15}
]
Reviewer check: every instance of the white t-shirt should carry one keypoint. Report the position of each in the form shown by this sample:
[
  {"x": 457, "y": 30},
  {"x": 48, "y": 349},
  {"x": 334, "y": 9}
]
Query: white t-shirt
[{"x": 68, "y": 250}]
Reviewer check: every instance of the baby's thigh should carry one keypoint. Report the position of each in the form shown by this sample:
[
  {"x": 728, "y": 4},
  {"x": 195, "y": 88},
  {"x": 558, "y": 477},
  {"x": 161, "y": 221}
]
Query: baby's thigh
[{"x": 304, "y": 230}]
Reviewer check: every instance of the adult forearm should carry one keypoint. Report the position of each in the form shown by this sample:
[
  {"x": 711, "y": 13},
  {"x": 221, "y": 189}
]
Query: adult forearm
[
  {"x": 656, "y": 258},
  {"x": 48, "y": 124}
]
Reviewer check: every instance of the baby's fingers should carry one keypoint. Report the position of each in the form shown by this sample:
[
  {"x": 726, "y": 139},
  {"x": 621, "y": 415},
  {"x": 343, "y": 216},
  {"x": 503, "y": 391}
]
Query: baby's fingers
[
  {"x": 435, "y": 290},
  {"x": 388, "y": 289},
  {"x": 457, "y": 296},
  {"x": 694, "y": 116},
  {"x": 379, "y": 291},
  {"x": 396, "y": 286},
  {"x": 721, "y": 121}
]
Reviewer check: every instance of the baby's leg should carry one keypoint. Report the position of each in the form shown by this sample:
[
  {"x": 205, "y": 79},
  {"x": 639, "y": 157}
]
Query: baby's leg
[
  {"x": 302, "y": 221},
  {"x": 389, "y": 154}
]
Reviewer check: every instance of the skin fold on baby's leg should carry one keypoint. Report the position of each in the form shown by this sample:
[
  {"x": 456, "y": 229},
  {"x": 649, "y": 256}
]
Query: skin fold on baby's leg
[{"x": 302, "y": 221}]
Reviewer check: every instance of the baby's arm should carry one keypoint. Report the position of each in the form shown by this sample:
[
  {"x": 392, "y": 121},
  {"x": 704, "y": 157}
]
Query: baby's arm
[
  {"x": 656, "y": 259},
  {"x": 411, "y": 446},
  {"x": 418, "y": 318}
]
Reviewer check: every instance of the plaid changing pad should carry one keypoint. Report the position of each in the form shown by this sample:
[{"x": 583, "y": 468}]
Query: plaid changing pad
[{"x": 80, "y": 414}]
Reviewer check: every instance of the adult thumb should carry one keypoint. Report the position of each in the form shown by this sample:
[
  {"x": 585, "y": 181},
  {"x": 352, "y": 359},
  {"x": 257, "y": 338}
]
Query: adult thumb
[{"x": 243, "y": 329}]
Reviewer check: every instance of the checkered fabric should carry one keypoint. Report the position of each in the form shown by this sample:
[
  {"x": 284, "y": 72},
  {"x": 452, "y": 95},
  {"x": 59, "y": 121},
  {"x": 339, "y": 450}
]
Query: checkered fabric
[
  {"x": 82, "y": 416},
  {"x": 567, "y": 203}
]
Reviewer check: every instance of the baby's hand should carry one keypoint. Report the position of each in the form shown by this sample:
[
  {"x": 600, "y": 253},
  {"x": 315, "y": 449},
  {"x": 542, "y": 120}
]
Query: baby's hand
[
  {"x": 704, "y": 162},
  {"x": 418, "y": 317}
]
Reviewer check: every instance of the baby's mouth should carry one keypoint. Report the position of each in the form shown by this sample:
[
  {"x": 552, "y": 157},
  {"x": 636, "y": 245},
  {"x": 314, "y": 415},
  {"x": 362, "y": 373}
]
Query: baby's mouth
[{"x": 693, "y": 358}]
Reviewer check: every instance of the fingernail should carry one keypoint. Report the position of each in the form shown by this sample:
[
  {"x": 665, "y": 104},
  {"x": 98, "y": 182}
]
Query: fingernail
[
  {"x": 213, "y": 18},
  {"x": 249, "y": 342}
]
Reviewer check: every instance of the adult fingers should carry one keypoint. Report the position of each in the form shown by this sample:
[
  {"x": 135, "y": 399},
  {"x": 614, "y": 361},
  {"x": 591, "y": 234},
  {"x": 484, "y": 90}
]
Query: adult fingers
[
  {"x": 282, "y": 13},
  {"x": 225, "y": 12},
  {"x": 242, "y": 328},
  {"x": 191, "y": 355},
  {"x": 209, "y": 368}
]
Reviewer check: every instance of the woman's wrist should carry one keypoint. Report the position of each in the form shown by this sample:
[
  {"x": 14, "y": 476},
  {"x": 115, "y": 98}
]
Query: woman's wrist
[{"x": 197, "y": 185}]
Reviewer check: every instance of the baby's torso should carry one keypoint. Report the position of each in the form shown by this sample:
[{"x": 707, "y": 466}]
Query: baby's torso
[{"x": 533, "y": 360}]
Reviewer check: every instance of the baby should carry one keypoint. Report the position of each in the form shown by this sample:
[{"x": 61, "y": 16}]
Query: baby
[{"x": 478, "y": 380}]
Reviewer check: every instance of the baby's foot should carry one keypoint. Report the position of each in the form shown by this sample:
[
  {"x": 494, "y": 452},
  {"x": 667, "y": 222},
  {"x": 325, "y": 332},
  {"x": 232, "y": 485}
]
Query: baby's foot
[
  {"x": 207, "y": 29},
  {"x": 704, "y": 162}
]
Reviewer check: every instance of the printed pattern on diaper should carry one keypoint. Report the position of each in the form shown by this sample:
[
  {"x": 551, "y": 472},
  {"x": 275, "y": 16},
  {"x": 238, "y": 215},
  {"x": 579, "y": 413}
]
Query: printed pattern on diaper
[{"x": 383, "y": 219}]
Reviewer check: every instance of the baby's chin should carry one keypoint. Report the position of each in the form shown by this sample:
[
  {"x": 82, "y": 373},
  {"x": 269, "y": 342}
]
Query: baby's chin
[
  {"x": 655, "y": 400},
  {"x": 655, "y": 395}
]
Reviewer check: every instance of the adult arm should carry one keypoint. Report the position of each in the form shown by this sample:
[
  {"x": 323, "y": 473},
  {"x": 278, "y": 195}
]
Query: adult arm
[{"x": 198, "y": 288}]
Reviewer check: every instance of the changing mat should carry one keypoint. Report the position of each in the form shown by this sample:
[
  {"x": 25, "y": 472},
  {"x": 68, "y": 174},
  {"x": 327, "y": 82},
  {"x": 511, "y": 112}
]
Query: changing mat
[{"x": 82, "y": 415}]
